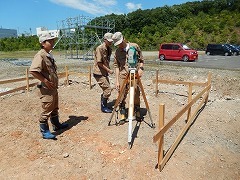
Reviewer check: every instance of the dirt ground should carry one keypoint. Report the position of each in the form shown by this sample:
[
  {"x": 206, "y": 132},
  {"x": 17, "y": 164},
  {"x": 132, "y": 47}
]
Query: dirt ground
[{"x": 90, "y": 149}]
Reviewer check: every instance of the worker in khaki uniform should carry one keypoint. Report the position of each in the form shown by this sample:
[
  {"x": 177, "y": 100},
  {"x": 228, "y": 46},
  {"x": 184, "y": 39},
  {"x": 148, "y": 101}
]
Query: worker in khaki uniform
[
  {"x": 122, "y": 70},
  {"x": 44, "y": 69},
  {"x": 102, "y": 70}
]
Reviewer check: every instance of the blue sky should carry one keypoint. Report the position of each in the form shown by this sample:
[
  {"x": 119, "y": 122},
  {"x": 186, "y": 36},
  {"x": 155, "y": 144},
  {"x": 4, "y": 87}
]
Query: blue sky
[{"x": 26, "y": 15}]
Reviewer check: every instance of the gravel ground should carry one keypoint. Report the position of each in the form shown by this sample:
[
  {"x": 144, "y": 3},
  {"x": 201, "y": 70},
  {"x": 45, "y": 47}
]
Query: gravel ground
[{"x": 90, "y": 149}]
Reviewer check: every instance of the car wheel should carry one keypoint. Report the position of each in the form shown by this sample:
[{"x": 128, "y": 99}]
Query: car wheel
[
  {"x": 234, "y": 53},
  {"x": 185, "y": 58},
  {"x": 226, "y": 54},
  {"x": 208, "y": 53},
  {"x": 161, "y": 57}
]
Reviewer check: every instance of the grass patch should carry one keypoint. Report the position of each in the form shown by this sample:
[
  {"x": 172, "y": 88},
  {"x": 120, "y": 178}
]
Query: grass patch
[
  {"x": 17, "y": 54},
  {"x": 22, "y": 54}
]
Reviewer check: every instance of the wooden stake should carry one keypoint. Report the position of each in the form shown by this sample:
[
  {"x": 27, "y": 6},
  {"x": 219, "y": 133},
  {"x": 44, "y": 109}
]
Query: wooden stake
[
  {"x": 67, "y": 80},
  {"x": 27, "y": 79},
  {"x": 156, "y": 83},
  {"x": 189, "y": 100},
  {"x": 90, "y": 78},
  {"x": 161, "y": 141},
  {"x": 208, "y": 83}
]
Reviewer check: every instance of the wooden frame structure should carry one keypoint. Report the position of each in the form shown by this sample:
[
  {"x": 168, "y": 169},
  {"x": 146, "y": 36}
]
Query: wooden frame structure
[
  {"x": 28, "y": 85},
  {"x": 202, "y": 97}
]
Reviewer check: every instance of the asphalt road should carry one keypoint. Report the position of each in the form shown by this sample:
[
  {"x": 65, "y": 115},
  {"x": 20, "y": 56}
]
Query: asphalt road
[{"x": 204, "y": 61}]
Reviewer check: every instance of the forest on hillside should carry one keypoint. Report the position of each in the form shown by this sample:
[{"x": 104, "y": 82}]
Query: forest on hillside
[{"x": 193, "y": 23}]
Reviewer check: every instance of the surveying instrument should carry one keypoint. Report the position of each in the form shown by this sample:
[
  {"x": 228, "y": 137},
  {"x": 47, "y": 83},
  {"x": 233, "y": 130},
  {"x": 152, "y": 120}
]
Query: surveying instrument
[{"x": 130, "y": 81}]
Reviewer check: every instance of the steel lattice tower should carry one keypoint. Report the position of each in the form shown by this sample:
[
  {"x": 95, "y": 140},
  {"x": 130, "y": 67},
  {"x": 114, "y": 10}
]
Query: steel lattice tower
[{"x": 80, "y": 35}]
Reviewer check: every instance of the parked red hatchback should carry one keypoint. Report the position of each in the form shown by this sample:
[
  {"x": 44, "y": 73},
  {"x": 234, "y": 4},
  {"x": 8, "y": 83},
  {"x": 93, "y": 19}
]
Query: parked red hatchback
[{"x": 177, "y": 51}]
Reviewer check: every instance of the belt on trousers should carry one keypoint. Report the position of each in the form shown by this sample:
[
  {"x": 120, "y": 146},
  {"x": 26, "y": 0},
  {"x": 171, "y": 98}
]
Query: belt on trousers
[{"x": 98, "y": 76}]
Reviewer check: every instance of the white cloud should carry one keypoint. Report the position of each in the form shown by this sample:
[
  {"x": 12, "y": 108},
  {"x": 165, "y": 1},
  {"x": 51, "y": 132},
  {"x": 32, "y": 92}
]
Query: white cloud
[
  {"x": 106, "y": 2},
  {"x": 132, "y": 6},
  {"x": 94, "y": 7}
]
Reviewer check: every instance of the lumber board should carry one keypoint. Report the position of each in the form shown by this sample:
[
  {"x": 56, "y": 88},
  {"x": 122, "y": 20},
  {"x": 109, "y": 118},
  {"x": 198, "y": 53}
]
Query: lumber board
[
  {"x": 179, "y": 114},
  {"x": 17, "y": 89},
  {"x": 179, "y": 137},
  {"x": 165, "y": 81},
  {"x": 14, "y": 80}
]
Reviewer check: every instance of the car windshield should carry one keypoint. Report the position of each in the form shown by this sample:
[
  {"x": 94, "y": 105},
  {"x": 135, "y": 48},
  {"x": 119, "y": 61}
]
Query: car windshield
[
  {"x": 227, "y": 46},
  {"x": 186, "y": 47}
]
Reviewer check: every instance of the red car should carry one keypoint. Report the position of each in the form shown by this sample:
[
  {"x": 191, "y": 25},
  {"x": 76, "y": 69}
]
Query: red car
[{"x": 177, "y": 51}]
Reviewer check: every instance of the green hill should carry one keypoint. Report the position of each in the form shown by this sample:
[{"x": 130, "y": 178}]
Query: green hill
[{"x": 193, "y": 23}]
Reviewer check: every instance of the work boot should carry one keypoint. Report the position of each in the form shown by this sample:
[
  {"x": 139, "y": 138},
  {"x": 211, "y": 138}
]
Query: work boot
[
  {"x": 56, "y": 124},
  {"x": 122, "y": 115},
  {"x": 104, "y": 107},
  {"x": 46, "y": 134},
  {"x": 137, "y": 113}
]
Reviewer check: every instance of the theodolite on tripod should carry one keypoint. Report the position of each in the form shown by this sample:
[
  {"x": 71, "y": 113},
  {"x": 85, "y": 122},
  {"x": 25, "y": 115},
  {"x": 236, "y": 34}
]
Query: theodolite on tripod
[{"x": 130, "y": 84}]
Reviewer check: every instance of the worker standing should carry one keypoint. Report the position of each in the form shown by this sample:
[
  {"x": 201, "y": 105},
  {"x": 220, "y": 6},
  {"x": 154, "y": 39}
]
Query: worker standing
[
  {"x": 43, "y": 68},
  {"x": 101, "y": 70}
]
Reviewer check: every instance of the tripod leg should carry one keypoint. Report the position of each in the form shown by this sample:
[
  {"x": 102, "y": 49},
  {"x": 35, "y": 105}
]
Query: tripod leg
[
  {"x": 120, "y": 95},
  {"x": 145, "y": 100}
]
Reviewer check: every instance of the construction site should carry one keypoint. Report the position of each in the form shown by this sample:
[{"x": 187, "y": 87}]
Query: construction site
[{"x": 195, "y": 112}]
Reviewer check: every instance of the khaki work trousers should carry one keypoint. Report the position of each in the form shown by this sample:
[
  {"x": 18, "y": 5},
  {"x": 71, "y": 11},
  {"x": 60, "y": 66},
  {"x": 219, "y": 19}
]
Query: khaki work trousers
[
  {"x": 104, "y": 83},
  {"x": 125, "y": 92},
  {"x": 49, "y": 100}
]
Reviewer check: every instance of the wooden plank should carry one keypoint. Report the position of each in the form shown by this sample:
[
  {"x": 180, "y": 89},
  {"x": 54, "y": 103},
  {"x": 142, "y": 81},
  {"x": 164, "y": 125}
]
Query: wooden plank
[
  {"x": 79, "y": 74},
  {"x": 17, "y": 89},
  {"x": 62, "y": 73},
  {"x": 179, "y": 82},
  {"x": 179, "y": 114},
  {"x": 21, "y": 79},
  {"x": 179, "y": 137},
  {"x": 26, "y": 78},
  {"x": 14, "y": 80}
]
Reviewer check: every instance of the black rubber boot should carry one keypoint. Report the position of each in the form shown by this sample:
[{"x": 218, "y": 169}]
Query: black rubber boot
[
  {"x": 122, "y": 114},
  {"x": 46, "y": 134},
  {"x": 138, "y": 113},
  {"x": 56, "y": 124},
  {"x": 104, "y": 107}
]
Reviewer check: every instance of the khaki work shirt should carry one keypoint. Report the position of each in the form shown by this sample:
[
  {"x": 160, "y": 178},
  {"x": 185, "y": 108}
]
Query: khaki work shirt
[
  {"x": 102, "y": 55},
  {"x": 43, "y": 63},
  {"x": 120, "y": 59}
]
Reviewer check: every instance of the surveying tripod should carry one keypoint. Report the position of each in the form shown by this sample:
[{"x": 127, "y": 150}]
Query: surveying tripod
[{"x": 131, "y": 80}]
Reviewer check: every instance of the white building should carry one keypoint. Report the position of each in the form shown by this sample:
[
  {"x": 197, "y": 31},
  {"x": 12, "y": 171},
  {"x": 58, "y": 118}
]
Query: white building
[{"x": 54, "y": 33}]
